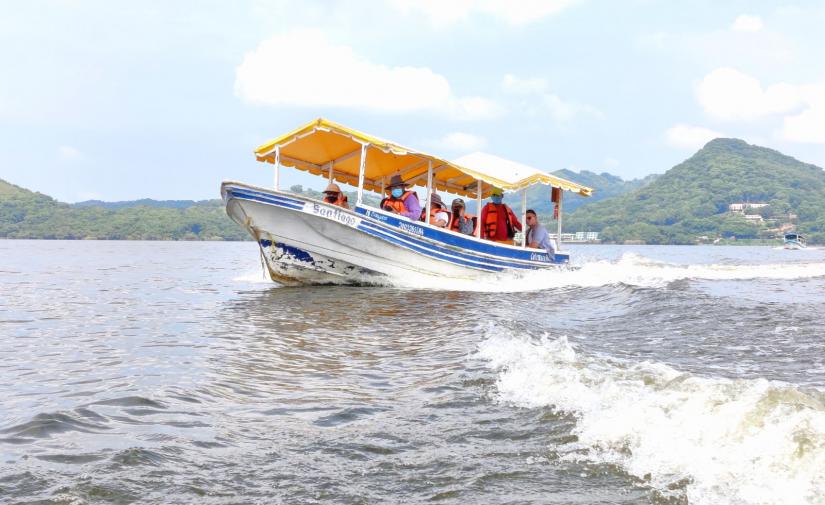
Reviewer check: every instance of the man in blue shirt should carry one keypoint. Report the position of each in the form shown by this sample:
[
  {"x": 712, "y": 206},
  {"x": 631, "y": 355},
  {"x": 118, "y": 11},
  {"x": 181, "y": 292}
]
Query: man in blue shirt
[{"x": 537, "y": 236}]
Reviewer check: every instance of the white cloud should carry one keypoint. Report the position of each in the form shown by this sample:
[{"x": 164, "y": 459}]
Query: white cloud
[
  {"x": 513, "y": 12},
  {"x": 729, "y": 94},
  {"x": 303, "y": 69},
  {"x": 517, "y": 86},
  {"x": 689, "y": 137},
  {"x": 809, "y": 125},
  {"x": 747, "y": 23},
  {"x": 460, "y": 141},
  {"x": 472, "y": 108},
  {"x": 536, "y": 90},
  {"x": 69, "y": 153}
]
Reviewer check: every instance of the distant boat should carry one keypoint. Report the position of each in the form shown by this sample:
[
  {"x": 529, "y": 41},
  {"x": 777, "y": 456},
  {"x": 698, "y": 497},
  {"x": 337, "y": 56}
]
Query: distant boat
[
  {"x": 794, "y": 241},
  {"x": 307, "y": 241}
]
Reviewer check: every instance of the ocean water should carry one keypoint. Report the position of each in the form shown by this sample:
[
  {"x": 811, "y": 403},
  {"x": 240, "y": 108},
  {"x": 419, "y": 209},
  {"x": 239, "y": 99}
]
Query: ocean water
[{"x": 155, "y": 372}]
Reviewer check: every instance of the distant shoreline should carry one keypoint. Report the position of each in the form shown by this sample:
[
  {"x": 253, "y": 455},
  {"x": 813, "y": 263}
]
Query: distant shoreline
[{"x": 738, "y": 243}]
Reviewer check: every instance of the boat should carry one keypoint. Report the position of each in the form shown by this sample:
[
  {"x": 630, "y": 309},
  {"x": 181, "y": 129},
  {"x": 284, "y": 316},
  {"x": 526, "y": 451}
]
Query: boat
[
  {"x": 794, "y": 241},
  {"x": 305, "y": 241}
]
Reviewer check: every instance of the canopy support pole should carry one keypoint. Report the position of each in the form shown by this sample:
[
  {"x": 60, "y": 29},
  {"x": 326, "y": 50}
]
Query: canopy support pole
[
  {"x": 331, "y": 169},
  {"x": 523, "y": 217},
  {"x": 479, "y": 191},
  {"x": 277, "y": 166},
  {"x": 558, "y": 233},
  {"x": 361, "y": 169},
  {"x": 429, "y": 191}
]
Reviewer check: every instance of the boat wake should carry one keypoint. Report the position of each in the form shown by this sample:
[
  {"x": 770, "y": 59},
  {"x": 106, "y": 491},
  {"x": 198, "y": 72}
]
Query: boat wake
[
  {"x": 260, "y": 276},
  {"x": 709, "y": 440},
  {"x": 631, "y": 269}
]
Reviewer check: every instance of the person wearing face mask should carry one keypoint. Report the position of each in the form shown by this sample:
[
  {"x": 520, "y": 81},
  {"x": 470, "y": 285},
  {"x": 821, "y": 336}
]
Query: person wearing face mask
[
  {"x": 401, "y": 201},
  {"x": 498, "y": 221},
  {"x": 462, "y": 222},
  {"x": 334, "y": 196}
]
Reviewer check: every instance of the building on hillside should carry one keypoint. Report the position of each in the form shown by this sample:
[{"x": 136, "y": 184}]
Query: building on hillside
[
  {"x": 754, "y": 218},
  {"x": 587, "y": 236},
  {"x": 582, "y": 237},
  {"x": 740, "y": 208}
]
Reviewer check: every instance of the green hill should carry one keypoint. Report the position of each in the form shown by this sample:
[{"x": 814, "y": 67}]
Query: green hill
[
  {"x": 605, "y": 185},
  {"x": 26, "y": 214},
  {"x": 690, "y": 201},
  {"x": 686, "y": 205},
  {"x": 143, "y": 202}
]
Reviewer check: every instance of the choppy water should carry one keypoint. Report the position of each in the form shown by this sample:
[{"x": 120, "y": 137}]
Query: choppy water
[{"x": 172, "y": 373}]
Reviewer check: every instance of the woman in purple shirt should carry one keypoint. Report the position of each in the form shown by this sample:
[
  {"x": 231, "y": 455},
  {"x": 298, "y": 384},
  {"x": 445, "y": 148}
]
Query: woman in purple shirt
[{"x": 400, "y": 200}]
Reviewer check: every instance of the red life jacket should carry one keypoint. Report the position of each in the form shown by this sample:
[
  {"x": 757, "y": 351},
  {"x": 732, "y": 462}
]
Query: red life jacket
[
  {"x": 341, "y": 201},
  {"x": 397, "y": 204},
  {"x": 490, "y": 224},
  {"x": 433, "y": 212},
  {"x": 454, "y": 224}
]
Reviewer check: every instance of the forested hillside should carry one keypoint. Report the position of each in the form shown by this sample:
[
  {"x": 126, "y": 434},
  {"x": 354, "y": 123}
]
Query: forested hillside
[
  {"x": 686, "y": 205},
  {"x": 689, "y": 203},
  {"x": 26, "y": 214},
  {"x": 605, "y": 186}
]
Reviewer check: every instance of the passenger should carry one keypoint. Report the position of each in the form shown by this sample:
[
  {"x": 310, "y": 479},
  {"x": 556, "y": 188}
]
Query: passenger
[
  {"x": 498, "y": 222},
  {"x": 334, "y": 196},
  {"x": 461, "y": 222},
  {"x": 401, "y": 201},
  {"x": 537, "y": 236},
  {"x": 438, "y": 213}
]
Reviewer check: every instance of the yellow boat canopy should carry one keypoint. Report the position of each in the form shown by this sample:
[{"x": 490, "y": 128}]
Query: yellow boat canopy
[{"x": 323, "y": 146}]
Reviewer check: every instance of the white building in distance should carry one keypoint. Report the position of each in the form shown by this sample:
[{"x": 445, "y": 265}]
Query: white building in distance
[{"x": 739, "y": 208}]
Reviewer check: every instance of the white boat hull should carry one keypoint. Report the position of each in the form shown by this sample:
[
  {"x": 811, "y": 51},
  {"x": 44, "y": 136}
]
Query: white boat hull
[{"x": 308, "y": 242}]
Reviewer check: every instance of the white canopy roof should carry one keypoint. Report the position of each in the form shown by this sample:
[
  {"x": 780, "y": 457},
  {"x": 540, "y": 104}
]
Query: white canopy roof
[{"x": 512, "y": 175}]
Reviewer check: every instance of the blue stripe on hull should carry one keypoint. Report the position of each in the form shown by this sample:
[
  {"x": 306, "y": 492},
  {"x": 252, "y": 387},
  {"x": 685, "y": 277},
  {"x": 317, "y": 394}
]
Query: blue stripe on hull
[
  {"x": 264, "y": 198},
  {"x": 409, "y": 234},
  {"x": 478, "y": 261},
  {"x": 465, "y": 243},
  {"x": 424, "y": 251}
]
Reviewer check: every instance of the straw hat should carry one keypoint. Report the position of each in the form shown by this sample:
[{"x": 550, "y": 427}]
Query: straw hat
[{"x": 332, "y": 188}]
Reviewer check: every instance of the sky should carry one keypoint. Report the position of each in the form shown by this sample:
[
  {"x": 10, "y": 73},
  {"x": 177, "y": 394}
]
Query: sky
[{"x": 119, "y": 100}]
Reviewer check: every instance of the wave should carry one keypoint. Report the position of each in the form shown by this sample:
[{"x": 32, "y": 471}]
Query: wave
[
  {"x": 713, "y": 440},
  {"x": 631, "y": 269},
  {"x": 259, "y": 276},
  {"x": 46, "y": 425}
]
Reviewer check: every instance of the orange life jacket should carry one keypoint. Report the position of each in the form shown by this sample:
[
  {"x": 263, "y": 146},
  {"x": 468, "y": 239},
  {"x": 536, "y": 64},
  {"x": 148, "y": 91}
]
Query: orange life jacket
[
  {"x": 433, "y": 212},
  {"x": 397, "y": 204},
  {"x": 341, "y": 201},
  {"x": 490, "y": 225},
  {"x": 454, "y": 224}
]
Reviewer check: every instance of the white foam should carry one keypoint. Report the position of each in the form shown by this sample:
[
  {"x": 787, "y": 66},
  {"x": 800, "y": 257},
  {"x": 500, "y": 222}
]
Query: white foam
[
  {"x": 260, "y": 276},
  {"x": 730, "y": 441},
  {"x": 630, "y": 269}
]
